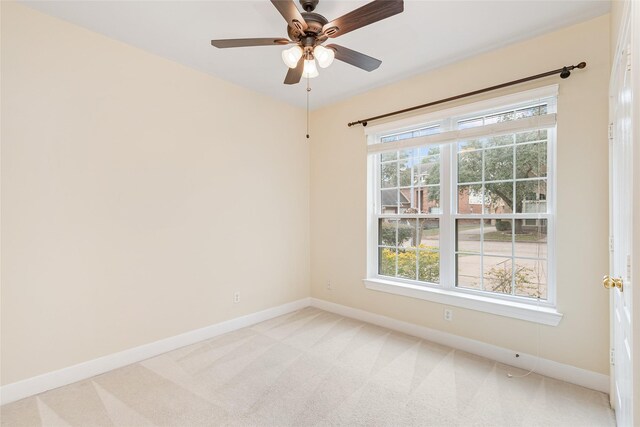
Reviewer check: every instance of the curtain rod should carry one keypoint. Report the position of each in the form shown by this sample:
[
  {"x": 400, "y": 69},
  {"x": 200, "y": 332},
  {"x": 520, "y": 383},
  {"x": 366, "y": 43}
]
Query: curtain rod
[{"x": 564, "y": 72}]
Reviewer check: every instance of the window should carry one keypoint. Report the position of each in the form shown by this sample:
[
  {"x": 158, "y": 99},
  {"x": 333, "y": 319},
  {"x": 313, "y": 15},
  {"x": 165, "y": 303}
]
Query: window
[{"x": 462, "y": 204}]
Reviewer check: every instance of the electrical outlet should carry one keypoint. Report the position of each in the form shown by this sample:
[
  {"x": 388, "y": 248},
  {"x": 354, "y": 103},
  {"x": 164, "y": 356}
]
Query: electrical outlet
[
  {"x": 236, "y": 297},
  {"x": 329, "y": 288},
  {"x": 448, "y": 314}
]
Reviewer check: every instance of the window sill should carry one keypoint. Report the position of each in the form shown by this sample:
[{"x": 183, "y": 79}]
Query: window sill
[{"x": 531, "y": 313}]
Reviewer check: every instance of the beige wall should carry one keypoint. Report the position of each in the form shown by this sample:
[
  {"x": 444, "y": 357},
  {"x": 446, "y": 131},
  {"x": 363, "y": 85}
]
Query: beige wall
[
  {"x": 338, "y": 184},
  {"x": 130, "y": 185},
  {"x": 617, "y": 9},
  {"x": 136, "y": 198}
]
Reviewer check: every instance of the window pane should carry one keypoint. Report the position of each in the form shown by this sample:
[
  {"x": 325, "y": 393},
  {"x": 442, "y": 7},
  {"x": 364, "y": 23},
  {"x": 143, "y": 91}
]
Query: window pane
[
  {"x": 429, "y": 150},
  {"x": 387, "y": 228},
  {"x": 407, "y": 263},
  {"x": 531, "y": 278},
  {"x": 531, "y": 160},
  {"x": 536, "y": 135},
  {"x": 470, "y": 166},
  {"x": 429, "y": 266},
  {"x": 389, "y": 175},
  {"x": 499, "y": 140},
  {"x": 387, "y": 262},
  {"x": 411, "y": 134},
  {"x": 429, "y": 199},
  {"x": 385, "y": 157},
  {"x": 498, "y": 274},
  {"x": 503, "y": 116},
  {"x": 472, "y": 144},
  {"x": 429, "y": 233},
  {"x": 409, "y": 200},
  {"x": 498, "y": 197},
  {"x": 405, "y": 172},
  {"x": 497, "y": 237},
  {"x": 426, "y": 131},
  {"x": 419, "y": 174},
  {"x": 389, "y": 201},
  {"x": 412, "y": 197},
  {"x": 468, "y": 271},
  {"x": 405, "y": 154},
  {"x": 531, "y": 111},
  {"x": 531, "y": 238},
  {"x": 468, "y": 233},
  {"x": 407, "y": 233},
  {"x": 499, "y": 118},
  {"x": 470, "y": 123},
  {"x": 531, "y": 196},
  {"x": 498, "y": 164},
  {"x": 470, "y": 199},
  {"x": 427, "y": 171}
]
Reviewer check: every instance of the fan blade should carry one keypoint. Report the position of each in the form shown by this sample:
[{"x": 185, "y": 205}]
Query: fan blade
[
  {"x": 354, "y": 58},
  {"x": 365, "y": 15},
  {"x": 291, "y": 14},
  {"x": 295, "y": 74},
  {"x": 225, "y": 43}
]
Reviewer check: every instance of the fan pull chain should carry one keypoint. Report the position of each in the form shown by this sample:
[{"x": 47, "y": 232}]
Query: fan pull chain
[{"x": 308, "y": 90}]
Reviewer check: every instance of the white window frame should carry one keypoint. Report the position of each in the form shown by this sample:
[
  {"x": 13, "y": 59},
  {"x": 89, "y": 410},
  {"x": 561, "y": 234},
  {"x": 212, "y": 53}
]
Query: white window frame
[{"x": 534, "y": 310}]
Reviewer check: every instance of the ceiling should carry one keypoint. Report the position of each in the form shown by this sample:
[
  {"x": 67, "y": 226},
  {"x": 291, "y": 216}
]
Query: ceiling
[{"x": 428, "y": 34}]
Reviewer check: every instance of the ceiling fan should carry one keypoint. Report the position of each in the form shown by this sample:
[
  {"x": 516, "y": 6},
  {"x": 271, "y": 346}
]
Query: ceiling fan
[{"x": 308, "y": 30}]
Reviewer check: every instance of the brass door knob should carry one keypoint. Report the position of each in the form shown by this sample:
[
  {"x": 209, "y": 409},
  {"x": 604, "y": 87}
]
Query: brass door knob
[{"x": 612, "y": 282}]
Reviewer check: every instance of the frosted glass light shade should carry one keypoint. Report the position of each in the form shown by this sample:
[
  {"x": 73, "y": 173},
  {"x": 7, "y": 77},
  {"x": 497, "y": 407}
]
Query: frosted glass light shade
[
  {"x": 324, "y": 56},
  {"x": 310, "y": 70},
  {"x": 291, "y": 56}
]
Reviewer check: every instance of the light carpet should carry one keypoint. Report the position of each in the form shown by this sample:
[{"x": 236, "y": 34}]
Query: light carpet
[{"x": 314, "y": 368}]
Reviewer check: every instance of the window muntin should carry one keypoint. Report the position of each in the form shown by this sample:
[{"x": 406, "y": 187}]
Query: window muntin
[
  {"x": 408, "y": 248},
  {"x": 503, "y": 175},
  {"x": 496, "y": 216},
  {"x": 408, "y": 200},
  {"x": 507, "y": 172},
  {"x": 489, "y": 257},
  {"x": 409, "y": 181}
]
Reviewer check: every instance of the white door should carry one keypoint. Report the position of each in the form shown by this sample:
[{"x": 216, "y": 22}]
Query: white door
[{"x": 621, "y": 215}]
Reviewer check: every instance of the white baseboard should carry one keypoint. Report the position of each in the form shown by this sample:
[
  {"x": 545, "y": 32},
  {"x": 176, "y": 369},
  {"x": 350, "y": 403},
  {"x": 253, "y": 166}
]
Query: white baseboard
[
  {"x": 31, "y": 386},
  {"x": 549, "y": 368}
]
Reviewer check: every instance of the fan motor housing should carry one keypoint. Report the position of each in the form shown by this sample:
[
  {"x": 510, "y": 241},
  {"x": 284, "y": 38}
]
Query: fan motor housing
[{"x": 315, "y": 22}]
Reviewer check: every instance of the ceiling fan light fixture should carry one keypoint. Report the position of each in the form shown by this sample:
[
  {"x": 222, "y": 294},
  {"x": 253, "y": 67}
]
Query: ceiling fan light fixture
[
  {"x": 310, "y": 70},
  {"x": 324, "y": 56},
  {"x": 291, "y": 56},
  {"x": 308, "y": 30}
]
